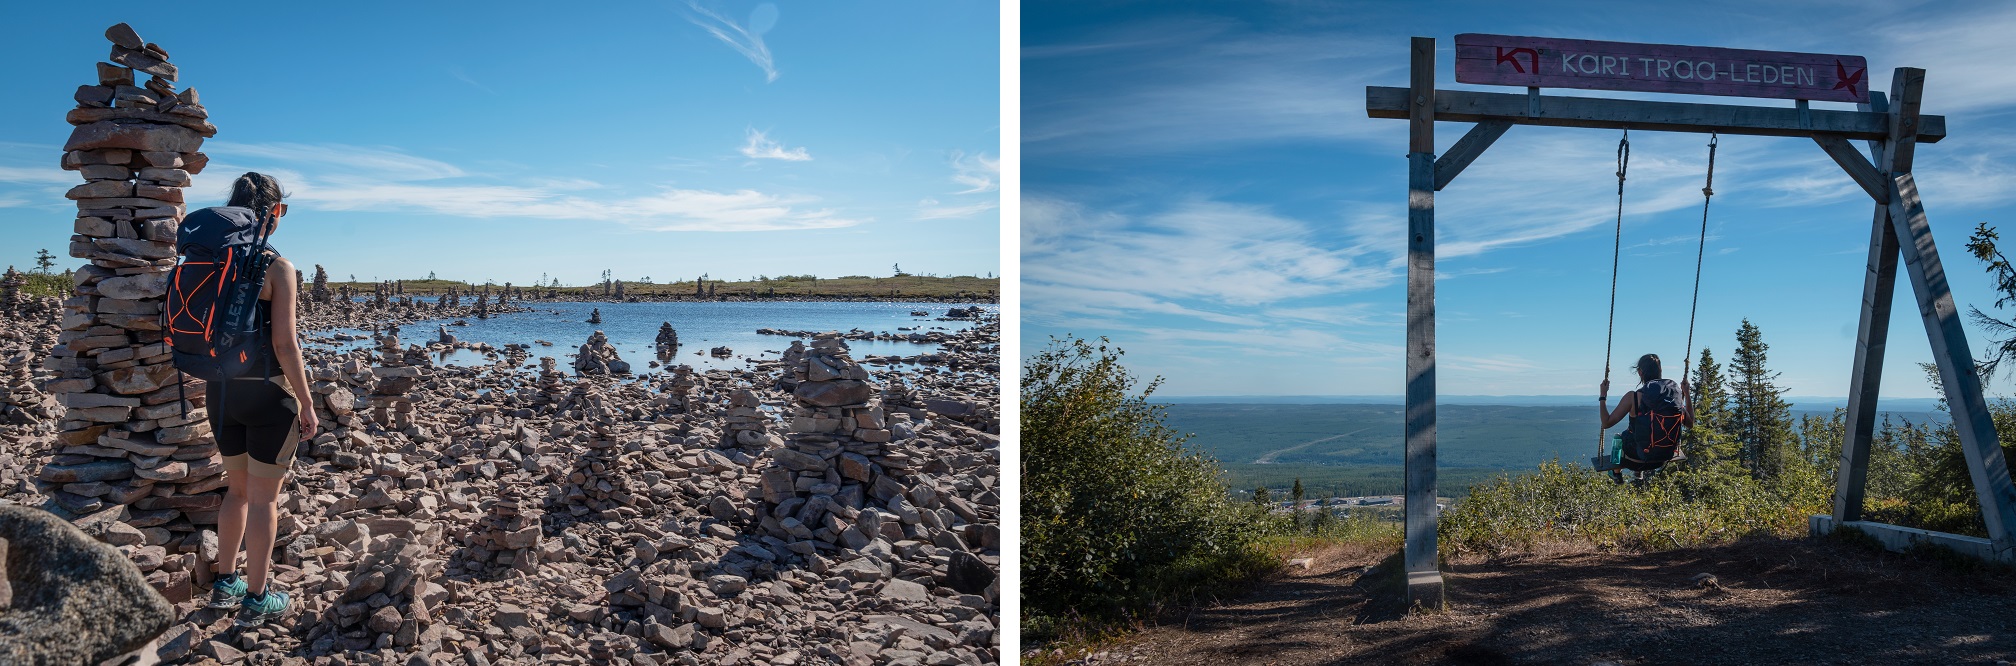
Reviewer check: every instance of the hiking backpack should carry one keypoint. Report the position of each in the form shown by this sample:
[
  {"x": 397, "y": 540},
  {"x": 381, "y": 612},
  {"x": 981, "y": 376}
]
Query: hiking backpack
[
  {"x": 213, "y": 321},
  {"x": 1655, "y": 422}
]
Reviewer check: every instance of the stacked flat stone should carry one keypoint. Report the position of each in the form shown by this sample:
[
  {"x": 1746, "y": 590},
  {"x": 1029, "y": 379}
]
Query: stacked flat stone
[
  {"x": 899, "y": 394},
  {"x": 509, "y": 536},
  {"x": 10, "y": 291},
  {"x": 598, "y": 357},
  {"x": 682, "y": 386},
  {"x": 335, "y": 387},
  {"x": 319, "y": 293},
  {"x": 22, "y": 401},
  {"x": 552, "y": 383},
  {"x": 390, "y": 596},
  {"x": 128, "y": 440},
  {"x": 595, "y": 316},
  {"x": 390, "y": 406},
  {"x": 833, "y": 460},
  {"x": 668, "y": 339},
  {"x": 746, "y": 425}
]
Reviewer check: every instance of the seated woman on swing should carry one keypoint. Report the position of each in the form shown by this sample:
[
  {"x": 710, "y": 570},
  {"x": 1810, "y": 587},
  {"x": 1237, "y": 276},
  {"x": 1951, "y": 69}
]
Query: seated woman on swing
[{"x": 1658, "y": 409}]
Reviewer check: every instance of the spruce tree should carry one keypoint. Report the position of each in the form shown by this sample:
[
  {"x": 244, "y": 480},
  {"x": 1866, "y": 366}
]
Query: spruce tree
[
  {"x": 1297, "y": 491},
  {"x": 1760, "y": 419},
  {"x": 1709, "y": 441},
  {"x": 1260, "y": 496}
]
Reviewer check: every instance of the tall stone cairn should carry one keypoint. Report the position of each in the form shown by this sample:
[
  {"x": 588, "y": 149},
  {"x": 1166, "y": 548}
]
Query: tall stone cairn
[
  {"x": 833, "y": 461},
  {"x": 746, "y": 426},
  {"x": 129, "y": 447},
  {"x": 396, "y": 376},
  {"x": 668, "y": 339},
  {"x": 10, "y": 290},
  {"x": 320, "y": 292}
]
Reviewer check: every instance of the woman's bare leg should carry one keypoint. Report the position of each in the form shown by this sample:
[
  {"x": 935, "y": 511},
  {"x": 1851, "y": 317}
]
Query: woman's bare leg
[
  {"x": 261, "y": 524},
  {"x": 231, "y": 524}
]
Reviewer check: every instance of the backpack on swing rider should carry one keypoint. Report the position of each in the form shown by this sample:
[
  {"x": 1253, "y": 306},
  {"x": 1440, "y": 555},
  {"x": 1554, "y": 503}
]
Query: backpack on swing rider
[{"x": 1654, "y": 432}]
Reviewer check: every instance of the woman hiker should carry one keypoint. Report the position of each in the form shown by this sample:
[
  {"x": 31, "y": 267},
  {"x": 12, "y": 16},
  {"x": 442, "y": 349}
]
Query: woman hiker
[
  {"x": 258, "y": 422},
  {"x": 1657, "y": 409}
]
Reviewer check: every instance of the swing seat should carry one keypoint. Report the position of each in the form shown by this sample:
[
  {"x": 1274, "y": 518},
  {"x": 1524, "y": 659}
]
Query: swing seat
[{"x": 1603, "y": 464}]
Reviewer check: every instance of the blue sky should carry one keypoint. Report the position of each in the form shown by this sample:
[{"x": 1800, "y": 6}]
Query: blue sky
[
  {"x": 1201, "y": 184},
  {"x": 515, "y": 139}
]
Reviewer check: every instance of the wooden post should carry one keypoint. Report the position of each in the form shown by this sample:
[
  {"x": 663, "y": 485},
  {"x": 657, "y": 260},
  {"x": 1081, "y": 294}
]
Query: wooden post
[
  {"x": 1978, "y": 439},
  {"x": 1879, "y": 284},
  {"x": 1424, "y": 578}
]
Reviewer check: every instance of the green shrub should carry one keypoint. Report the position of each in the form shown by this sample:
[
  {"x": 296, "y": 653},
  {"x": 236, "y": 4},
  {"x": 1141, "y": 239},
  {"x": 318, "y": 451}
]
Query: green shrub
[
  {"x": 1116, "y": 512},
  {"x": 1687, "y": 507},
  {"x": 47, "y": 284}
]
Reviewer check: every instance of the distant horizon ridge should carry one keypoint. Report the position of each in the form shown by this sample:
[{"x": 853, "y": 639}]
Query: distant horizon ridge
[{"x": 1510, "y": 399}]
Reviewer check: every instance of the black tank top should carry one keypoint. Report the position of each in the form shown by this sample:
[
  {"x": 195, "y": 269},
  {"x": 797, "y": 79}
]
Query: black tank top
[{"x": 264, "y": 316}]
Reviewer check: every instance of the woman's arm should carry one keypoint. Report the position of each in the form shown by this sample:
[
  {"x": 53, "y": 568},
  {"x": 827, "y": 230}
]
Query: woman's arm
[
  {"x": 1623, "y": 409},
  {"x": 287, "y": 340},
  {"x": 1687, "y": 397}
]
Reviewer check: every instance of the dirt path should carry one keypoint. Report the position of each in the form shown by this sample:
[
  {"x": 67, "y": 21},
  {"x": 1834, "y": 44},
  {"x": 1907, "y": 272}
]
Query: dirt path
[
  {"x": 1781, "y": 602},
  {"x": 1268, "y": 458}
]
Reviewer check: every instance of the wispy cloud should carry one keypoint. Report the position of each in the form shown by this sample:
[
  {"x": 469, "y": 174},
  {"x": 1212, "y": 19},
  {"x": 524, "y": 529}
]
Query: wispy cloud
[
  {"x": 978, "y": 172},
  {"x": 980, "y": 175},
  {"x": 931, "y": 209},
  {"x": 1197, "y": 259},
  {"x": 1175, "y": 85},
  {"x": 760, "y": 147},
  {"x": 353, "y": 178},
  {"x": 456, "y": 71},
  {"x": 744, "y": 40},
  {"x": 389, "y": 163},
  {"x": 50, "y": 175}
]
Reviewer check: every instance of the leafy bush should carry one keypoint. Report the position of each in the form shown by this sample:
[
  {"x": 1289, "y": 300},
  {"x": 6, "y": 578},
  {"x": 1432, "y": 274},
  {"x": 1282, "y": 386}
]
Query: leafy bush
[
  {"x": 1686, "y": 507},
  {"x": 1116, "y": 512},
  {"x": 47, "y": 284}
]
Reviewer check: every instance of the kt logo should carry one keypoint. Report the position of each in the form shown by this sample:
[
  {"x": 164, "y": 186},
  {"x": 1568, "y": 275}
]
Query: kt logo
[{"x": 1512, "y": 56}]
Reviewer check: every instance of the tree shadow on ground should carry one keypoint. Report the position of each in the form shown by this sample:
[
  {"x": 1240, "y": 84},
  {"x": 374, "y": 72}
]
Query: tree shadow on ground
[{"x": 1776, "y": 601}]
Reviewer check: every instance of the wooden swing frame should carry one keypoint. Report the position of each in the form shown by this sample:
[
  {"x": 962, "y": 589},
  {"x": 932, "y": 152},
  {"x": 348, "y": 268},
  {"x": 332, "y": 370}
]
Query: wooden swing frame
[{"x": 1893, "y": 127}]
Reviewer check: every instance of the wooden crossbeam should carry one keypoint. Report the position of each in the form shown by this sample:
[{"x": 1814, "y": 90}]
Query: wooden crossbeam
[
  {"x": 1556, "y": 111},
  {"x": 1857, "y": 166},
  {"x": 1466, "y": 150}
]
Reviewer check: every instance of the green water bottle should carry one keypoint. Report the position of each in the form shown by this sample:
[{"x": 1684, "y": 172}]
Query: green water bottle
[{"x": 1617, "y": 449}]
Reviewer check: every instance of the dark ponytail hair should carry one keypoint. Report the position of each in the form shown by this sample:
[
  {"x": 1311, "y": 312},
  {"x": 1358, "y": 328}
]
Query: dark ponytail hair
[
  {"x": 1648, "y": 368},
  {"x": 256, "y": 191}
]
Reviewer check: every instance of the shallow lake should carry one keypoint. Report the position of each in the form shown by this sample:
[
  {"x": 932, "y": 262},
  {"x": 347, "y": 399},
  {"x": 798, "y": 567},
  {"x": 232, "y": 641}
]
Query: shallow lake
[{"x": 633, "y": 329}]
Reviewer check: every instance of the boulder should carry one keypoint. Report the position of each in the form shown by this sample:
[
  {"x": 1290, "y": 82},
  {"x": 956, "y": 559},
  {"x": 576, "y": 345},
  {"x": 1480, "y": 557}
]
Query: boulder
[{"x": 76, "y": 601}]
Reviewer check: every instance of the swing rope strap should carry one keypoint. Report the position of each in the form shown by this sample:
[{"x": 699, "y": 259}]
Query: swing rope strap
[
  {"x": 1617, "y": 247},
  {"x": 1616, "y": 250},
  {"x": 1707, "y": 195}
]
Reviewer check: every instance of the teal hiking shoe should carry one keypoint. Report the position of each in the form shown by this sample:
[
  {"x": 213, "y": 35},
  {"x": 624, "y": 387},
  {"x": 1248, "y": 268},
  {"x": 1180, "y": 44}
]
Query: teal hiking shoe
[
  {"x": 225, "y": 593},
  {"x": 259, "y": 608}
]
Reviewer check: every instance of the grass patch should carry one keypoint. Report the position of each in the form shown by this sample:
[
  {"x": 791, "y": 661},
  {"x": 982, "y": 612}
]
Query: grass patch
[
  {"x": 1680, "y": 508},
  {"x": 47, "y": 284}
]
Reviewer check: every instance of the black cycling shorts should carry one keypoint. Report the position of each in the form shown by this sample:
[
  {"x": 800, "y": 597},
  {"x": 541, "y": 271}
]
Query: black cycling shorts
[{"x": 254, "y": 421}]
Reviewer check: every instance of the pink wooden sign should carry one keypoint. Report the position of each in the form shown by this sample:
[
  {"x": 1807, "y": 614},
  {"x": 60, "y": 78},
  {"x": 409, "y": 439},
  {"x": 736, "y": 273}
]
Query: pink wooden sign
[{"x": 1693, "y": 70}]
